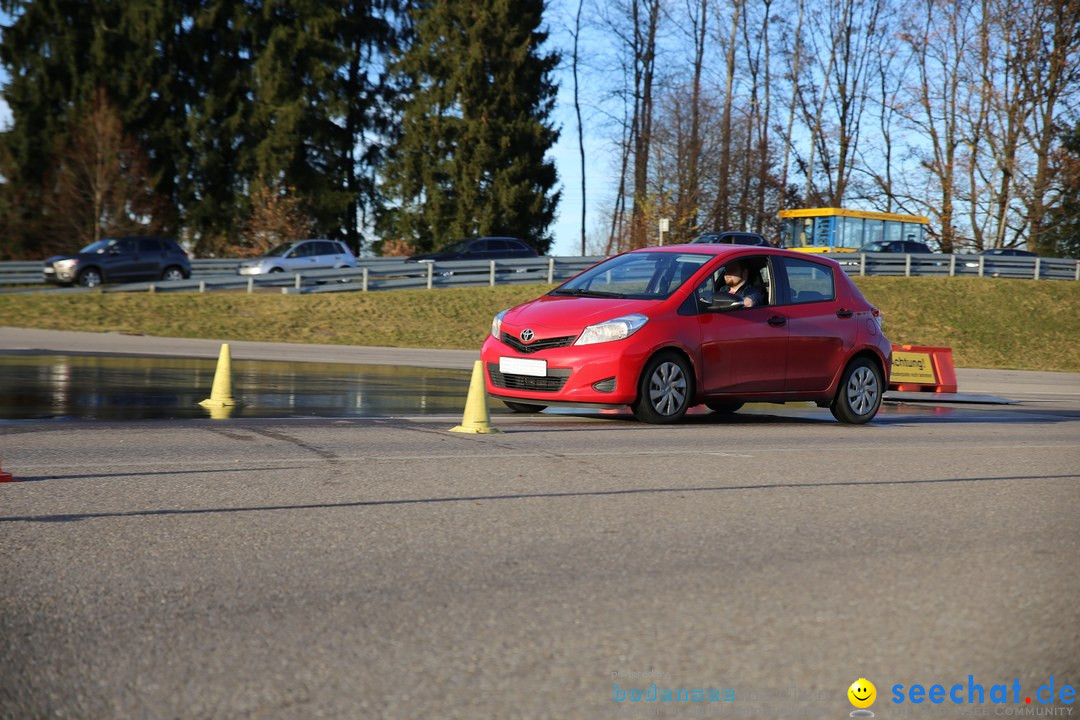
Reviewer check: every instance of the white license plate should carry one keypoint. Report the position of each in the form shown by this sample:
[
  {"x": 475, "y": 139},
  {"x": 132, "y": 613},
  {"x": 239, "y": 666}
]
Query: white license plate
[{"x": 521, "y": 366}]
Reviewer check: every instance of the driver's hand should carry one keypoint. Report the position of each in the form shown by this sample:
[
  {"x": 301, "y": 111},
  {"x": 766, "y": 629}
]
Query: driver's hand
[{"x": 747, "y": 302}]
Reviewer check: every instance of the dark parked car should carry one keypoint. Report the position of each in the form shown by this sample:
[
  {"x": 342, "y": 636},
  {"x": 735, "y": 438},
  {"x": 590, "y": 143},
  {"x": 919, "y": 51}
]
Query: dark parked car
[
  {"x": 731, "y": 237},
  {"x": 122, "y": 259},
  {"x": 895, "y": 246},
  {"x": 998, "y": 253},
  {"x": 485, "y": 248},
  {"x": 1007, "y": 252}
]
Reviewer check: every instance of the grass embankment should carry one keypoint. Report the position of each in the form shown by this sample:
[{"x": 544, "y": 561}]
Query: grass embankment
[{"x": 1009, "y": 324}]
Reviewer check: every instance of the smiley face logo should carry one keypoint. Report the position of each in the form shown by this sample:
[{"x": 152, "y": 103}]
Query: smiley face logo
[{"x": 862, "y": 693}]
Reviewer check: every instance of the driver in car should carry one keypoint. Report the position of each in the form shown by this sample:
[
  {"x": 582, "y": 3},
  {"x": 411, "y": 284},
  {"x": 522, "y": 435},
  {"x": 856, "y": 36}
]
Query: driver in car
[{"x": 736, "y": 277}]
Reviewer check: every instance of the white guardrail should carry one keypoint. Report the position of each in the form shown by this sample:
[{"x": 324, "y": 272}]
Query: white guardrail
[{"x": 393, "y": 274}]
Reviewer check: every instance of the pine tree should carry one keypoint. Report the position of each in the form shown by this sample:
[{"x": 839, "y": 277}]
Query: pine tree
[
  {"x": 1060, "y": 237},
  {"x": 475, "y": 127},
  {"x": 296, "y": 107}
]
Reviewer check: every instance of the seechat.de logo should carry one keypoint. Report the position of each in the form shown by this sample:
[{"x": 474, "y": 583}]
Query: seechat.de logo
[{"x": 975, "y": 693}]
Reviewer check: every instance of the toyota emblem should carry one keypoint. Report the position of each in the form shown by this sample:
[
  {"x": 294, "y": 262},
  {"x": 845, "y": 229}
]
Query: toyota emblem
[{"x": 526, "y": 335}]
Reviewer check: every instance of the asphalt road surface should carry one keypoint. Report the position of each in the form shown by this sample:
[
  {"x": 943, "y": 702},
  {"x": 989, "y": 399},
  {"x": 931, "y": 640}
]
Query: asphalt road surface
[{"x": 391, "y": 569}]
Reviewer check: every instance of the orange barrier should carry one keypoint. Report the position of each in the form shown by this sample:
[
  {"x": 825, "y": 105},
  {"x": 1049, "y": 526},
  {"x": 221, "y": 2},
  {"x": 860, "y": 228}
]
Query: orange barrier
[{"x": 919, "y": 368}]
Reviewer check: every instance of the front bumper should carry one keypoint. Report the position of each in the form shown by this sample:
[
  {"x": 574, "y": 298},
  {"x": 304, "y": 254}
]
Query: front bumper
[
  {"x": 601, "y": 374},
  {"x": 51, "y": 275}
]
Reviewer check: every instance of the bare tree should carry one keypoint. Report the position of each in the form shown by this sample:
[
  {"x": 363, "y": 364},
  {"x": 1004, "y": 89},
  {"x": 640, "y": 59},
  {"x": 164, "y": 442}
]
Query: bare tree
[
  {"x": 940, "y": 39},
  {"x": 577, "y": 111},
  {"x": 276, "y": 217},
  {"x": 100, "y": 182},
  {"x": 688, "y": 194},
  {"x": 1050, "y": 41},
  {"x": 794, "y": 65},
  {"x": 721, "y": 212}
]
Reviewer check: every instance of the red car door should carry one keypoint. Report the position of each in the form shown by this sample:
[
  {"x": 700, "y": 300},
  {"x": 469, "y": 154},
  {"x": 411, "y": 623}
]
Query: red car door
[
  {"x": 742, "y": 350},
  {"x": 821, "y": 330}
]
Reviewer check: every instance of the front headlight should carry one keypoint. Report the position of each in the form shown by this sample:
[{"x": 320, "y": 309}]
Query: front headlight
[
  {"x": 616, "y": 329},
  {"x": 66, "y": 265},
  {"x": 496, "y": 325}
]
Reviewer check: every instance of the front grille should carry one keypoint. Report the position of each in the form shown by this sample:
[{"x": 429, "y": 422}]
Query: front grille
[
  {"x": 537, "y": 345},
  {"x": 554, "y": 381}
]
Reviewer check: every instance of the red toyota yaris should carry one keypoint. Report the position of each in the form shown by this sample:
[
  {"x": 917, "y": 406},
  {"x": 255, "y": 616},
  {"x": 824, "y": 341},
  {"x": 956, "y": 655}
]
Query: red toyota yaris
[{"x": 657, "y": 329}]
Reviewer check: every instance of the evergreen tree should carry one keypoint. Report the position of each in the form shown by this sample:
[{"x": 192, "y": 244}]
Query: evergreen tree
[
  {"x": 1061, "y": 235},
  {"x": 475, "y": 126},
  {"x": 296, "y": 108},
  {"x": 367, "y": 34},
  {"x": 218, "y": 163},
  {"x": 60, "y": 57}
]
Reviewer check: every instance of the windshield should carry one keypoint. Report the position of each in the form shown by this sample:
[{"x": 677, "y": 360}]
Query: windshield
[
  {"x": 279, "y": 250},
  {"x": 639, "y": 275},
  {"x": 100, "y": 246},
  {"x": 457, "y": 247}
]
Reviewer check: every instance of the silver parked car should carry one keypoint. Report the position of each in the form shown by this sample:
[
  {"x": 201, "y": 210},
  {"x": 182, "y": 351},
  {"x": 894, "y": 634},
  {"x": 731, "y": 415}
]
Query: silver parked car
[{"x": 300, "y": 255}]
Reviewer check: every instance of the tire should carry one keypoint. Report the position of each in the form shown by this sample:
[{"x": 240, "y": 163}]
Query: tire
[
  {"x": 665, "y": 391},
  {"x": 859, "y": 395},
  {"x": 725, "y": 408},
  {"x": 523, "y": 407},
  {"x": 276, "y": 270},
  {"x": 90, "y": 277},
  {"x": 172, "y": 273}
]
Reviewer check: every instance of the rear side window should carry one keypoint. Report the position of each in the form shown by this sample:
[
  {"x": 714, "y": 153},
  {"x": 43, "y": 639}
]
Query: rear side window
[
  {"x": 149, "y": 245},
  {"x": 808, "y": 281}
]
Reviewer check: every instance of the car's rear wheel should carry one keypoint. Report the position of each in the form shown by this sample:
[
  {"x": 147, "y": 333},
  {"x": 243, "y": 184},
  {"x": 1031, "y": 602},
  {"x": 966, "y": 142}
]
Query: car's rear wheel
[
  {"x": 665, "y": 390},
  {"x": 172, "y": 273},
  {"x": 719, "y": 406},
  {"x": 859, "y": 395},
  {"x": 89, "y": 277},
  {"x": 523, "y": 407}
]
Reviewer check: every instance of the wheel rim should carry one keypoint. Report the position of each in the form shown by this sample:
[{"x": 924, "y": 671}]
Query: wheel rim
[
  {"x": 862, "y": 390},
  {"x": 91, "y": 279},
  {"x": 174, "y": 275},
  {"x": 667, "y": 388}
]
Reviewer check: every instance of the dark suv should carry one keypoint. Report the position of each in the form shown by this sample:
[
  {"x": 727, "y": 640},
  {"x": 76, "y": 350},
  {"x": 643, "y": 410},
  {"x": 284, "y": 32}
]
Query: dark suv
[
  {"x": 122, "y": 259},
  {"x": 896, "y": 246},
  {"x": 485, "y": 248}
]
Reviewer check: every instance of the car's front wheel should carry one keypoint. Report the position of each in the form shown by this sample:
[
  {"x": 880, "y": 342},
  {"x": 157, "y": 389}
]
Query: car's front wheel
[
  {"x": 172, "y": 273},
  {"x": 666, "y": 389},
  {"x": 859, "y": 395},
  {"x": 89, "y": 278},
  {"x": 523, "y": 407}
]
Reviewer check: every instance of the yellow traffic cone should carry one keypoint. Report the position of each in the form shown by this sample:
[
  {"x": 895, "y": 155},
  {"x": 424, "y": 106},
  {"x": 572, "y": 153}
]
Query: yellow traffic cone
[
  {"x": 221, "y": 392},
  {"x": 476, "y": 420}
]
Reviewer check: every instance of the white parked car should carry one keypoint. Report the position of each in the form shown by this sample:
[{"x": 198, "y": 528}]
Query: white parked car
[{"x": 300, "y": 255}]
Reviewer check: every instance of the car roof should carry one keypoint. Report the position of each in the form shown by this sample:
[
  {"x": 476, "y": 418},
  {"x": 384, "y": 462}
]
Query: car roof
[{"x": 736, "y": 251}]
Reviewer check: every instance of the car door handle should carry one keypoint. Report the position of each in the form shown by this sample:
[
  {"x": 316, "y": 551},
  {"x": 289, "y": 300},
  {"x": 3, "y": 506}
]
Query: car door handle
[
  {"x": 777, "y": 321},
  {"x": 844, "y": 313}
]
